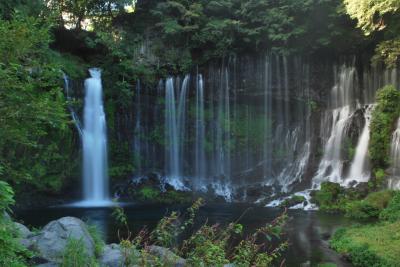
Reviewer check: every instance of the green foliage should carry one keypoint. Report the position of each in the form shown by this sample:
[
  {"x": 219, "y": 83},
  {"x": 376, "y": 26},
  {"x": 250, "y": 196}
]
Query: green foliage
[
  {"x": 386, "y": 111},
  {"x": 378, "y": 15},
  {"x": 293, "y": 200},
  {"x": 206, "y": 246},
  {"x": 12, "y": 253},
  {"x": 369, "y": 245},
  {"x": 75, "y": 255},
  {"x": 392, "y": 211},
  {"x": 328, "y": 197},
  {"x": 148, "y": 193},
  {"x": 370, "y": 207},
  {"x": 35, "y": 140},
  {"x": 6, "y": 197},
  {"x": 97, "y": 238}
]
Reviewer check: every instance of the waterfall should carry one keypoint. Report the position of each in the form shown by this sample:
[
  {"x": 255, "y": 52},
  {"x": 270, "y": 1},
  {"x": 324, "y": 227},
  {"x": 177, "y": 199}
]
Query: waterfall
[
  {"x": 181, "y": 120},
  {"x": 74, "y": 115},
  {"x": 171, "y": 127},
  {"x": 359, "y": 170},
  {"x": 394, "y": 180},
  {"x": 342, "y": 98},
  {"x": 95, "y": 169},
  {"x": 200, "y": 160},
  {"x": 138, "y": 131}
]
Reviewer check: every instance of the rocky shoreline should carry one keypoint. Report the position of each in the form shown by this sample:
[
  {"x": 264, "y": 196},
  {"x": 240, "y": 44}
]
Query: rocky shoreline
[{"x": 49, "y": 244}]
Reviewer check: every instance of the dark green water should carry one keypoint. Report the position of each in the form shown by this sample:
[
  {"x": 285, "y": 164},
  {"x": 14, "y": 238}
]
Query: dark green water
[{"x": 306, "y": 231}]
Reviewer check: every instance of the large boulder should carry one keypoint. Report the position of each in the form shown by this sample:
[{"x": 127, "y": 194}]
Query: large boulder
[
  {"x": 50, "y": 243},
  {"x": 113, "y": 256},
  {"x": 22, "y": 230},
  {"x": 166, "y": 256}
]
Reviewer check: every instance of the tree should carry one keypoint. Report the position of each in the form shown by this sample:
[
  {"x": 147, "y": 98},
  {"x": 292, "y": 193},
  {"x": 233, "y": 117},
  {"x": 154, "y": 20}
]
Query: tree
[{"x": 379, "y": 15}]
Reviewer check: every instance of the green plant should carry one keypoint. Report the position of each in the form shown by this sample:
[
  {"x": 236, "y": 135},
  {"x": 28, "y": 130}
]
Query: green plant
[
  {"x": 148, "y": 193},
  {"x": 293, "y": 200},
  {"x": 12, "y": 253},
  {"x": 369, "y": 207},
  {"x": 75, "y": 255},
  {"x": 369, "y": 245},
  {"x": 392, "y": 211},
  {"x": 328, "y": 197},
  {"x": 97, "y": 238},
  {"x": 386, "y": 111}
]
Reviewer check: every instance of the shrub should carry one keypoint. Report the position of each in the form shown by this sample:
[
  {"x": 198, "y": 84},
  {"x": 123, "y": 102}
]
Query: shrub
[
  {"x": 148, "y": 193},
  {"x": 386, "y": 111},
  {"x": 12, "y": 253},
  {"x": 370, "y": 207},
  {"x": 392, "y": 212},
  {"x": 328, "y": 197},
  {"x": 209, "y": 245}
]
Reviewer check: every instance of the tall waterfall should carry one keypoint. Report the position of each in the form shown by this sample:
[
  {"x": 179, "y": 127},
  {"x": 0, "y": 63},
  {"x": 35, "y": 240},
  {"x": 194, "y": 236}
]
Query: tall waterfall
[
  {"x": 95, "y": 176},
  {"x": 172, "y": 140},
  {"x": 342, "y": 104},
  {"x": 137, "y": 142},
  {"x": 394, "y": 180},
  {"x": 200, "y": 159},
  {"x": 359, "y": 170}
]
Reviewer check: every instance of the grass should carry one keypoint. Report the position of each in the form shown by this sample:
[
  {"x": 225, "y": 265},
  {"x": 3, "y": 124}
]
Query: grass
[
  {"x": 370, "y": 245},
  {"x": 97, "y": 238}
]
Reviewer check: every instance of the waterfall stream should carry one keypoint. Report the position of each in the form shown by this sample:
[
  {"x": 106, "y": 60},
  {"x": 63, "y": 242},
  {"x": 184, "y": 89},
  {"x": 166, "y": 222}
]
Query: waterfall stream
[
  {"x": 394, "y": 180},
  {"x": 94, "y": 140},
  {"x": 359, "y": 170}
]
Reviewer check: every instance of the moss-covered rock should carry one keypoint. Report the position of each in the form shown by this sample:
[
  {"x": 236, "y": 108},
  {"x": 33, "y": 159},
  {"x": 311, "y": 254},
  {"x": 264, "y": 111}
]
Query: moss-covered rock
[{"x": 292, "y": 201}]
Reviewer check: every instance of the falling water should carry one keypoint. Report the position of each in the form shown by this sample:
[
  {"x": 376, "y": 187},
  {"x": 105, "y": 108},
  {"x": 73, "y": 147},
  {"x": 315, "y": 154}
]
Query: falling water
[
  {"x": 138, "y": 131},
  {"x": 200, "y": 160},
  {"x": 359, "y": 170},
  {"x": 172, "y": 138},
  {"x": 181, "y": 120},
  {"x": 394, "y": 180},
  {"x": 331, "y": 165},
  {"x": 95, "y": 177},
  {"x": 72, "y": 111}
]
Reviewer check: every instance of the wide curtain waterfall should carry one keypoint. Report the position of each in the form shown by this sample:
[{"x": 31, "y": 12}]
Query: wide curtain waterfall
[
  {"x": 244, "y": 128},
  {"x": 221, "y": 137},
  {"x": 94, "y": 141}
]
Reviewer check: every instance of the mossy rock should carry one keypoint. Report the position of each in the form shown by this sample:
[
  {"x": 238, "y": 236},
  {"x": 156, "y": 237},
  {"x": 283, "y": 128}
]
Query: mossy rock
[{"x": 292, "y": 201}]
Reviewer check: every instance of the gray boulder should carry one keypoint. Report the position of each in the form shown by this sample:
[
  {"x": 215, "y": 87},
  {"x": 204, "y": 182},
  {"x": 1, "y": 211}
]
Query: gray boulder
[
  {"x": 113, "y": 256},
  {"x": 167, "y": 256},
  {"x": 51, "y": 242},
  {"x": 22, "y": 230}
]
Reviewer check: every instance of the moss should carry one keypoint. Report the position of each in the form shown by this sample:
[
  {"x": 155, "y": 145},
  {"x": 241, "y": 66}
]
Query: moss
[
  {"x": 328, "y": 198},
  {"x": 148, "y": 193},
  {"x": 369, "y": 245},
  {"x": 292, "y": 201}
]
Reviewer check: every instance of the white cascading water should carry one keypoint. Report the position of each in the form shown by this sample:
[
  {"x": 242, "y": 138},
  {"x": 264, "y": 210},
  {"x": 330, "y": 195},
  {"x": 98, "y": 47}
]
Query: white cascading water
[
  {"x": 137, "y": 145},
  {"x": 359, "y": 170},
  {"x": 74, "y": 115},
  {"x": 200, "y": 159},
  {"x": 342, "y": 98},
  {"x": 95, "y": 169},
  {"x": 394, "y": 179}
]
